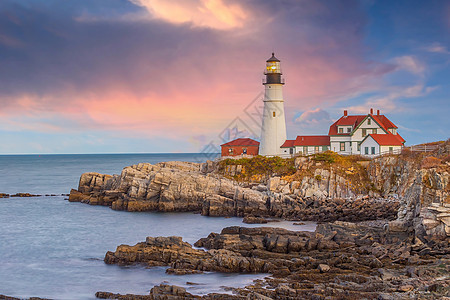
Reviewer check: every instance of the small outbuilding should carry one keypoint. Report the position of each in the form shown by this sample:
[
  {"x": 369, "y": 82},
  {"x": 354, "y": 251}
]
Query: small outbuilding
[
  {"x": 378, "y": 144},
  {"x": 242, "y": 146}
]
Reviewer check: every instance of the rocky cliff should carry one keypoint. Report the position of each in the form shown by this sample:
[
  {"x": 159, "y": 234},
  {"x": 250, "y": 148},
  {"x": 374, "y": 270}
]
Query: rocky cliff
[
  {"x": 323, "y": 188},
  {"x": 179, "y": 186}
]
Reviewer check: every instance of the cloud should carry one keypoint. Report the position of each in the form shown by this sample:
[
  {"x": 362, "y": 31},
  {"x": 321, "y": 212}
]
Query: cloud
[
  {"x": 313, "y": 117},
  {"x": 217, "y": 14},
  {"x": 437, "y": 48},
  {"x": 410, "y": 64},
  {"x": 389, "y": 100},
  {"x": 178, "y": 68}
]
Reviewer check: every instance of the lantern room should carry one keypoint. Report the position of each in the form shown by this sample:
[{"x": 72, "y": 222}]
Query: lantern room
[{"x": 273, "y": 71}]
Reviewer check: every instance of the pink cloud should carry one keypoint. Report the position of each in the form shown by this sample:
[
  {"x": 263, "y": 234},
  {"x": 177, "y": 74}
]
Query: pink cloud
[{"x": 166, "y": 78}]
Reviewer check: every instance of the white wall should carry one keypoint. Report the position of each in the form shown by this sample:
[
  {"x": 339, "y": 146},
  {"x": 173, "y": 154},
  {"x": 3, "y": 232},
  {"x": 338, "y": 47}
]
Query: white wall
[
  {"x": 336, "y": 140},
  {"x": 311, "y": 150},
  {"x": 385, "y": 149},
  {"x": 357, "y": 135},
  {"x": 369, "y": 142},
  {"x": 273, "y": 131}
]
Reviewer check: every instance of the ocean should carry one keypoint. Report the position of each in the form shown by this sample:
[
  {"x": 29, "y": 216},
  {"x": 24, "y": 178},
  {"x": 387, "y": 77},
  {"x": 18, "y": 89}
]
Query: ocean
[{"x": 52, "y": 248}]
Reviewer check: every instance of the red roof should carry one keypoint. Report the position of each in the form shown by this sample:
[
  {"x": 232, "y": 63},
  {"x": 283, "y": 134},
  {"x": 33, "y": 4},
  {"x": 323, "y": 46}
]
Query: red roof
[
  {"x": 354, "y": 121},
  {"x": 288, "y": 144},
  {"x": 312, "y": 140},
  {"x": 388, "y": 139},
  {"x": 242, "y": 142}
]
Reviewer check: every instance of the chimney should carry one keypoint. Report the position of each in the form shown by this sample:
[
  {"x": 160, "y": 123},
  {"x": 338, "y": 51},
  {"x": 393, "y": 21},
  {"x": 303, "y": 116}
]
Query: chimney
[
  {"x": 371, "y": 111},
  {"x": 378, "y": 112},
  {"x": 345, "y": 113}
]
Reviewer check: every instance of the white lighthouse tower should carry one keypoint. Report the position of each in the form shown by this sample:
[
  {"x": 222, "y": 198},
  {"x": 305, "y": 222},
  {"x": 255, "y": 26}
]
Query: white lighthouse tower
[{"x": 273, "y": 132}]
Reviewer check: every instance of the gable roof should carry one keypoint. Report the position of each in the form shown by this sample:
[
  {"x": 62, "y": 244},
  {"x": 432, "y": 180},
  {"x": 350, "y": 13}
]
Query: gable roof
[
  {"x": 242, "y": 142},
  {"x": 288, "y": 144},
  {"x": 387, "y": 139},
  {"x": 356, "y": 120},
  {"x": 312, "y": 140},
  {"x": 345, "y": 121}
]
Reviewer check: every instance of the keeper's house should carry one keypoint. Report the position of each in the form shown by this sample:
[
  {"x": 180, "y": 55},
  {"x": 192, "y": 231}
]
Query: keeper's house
[{"x": 348, "y": 133}]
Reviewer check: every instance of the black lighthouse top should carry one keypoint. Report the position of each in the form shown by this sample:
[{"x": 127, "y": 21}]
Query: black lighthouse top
[
  {"x": 273, "y": 58},
  {"x": 273, "y": 71}
]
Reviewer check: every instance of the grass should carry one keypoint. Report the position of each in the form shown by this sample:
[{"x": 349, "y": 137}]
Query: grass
[{"x": 259, "y": 166}]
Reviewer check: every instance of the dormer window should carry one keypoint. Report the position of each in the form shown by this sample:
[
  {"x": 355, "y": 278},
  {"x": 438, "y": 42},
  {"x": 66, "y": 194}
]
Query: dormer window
[
  {"x": 349, "y": 129},
  {"x": 341, "y": 130},
  {"x": 369, "y": 121}
]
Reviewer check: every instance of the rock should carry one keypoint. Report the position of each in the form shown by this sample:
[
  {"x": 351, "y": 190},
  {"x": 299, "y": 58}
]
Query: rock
[
  {"x": 249, "y": 219},
  {"x": 323, "y": 268},
  {"x": 406, "y": 288},
  {"x": 177, "y": 186},
  {"x": 273, "y": 184},
  {"x": 24, "y": 195},
  {"x": 333, "y": 262}
]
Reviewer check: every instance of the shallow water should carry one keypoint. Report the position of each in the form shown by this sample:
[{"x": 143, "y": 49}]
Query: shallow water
[{"x": 52, "y": 248}]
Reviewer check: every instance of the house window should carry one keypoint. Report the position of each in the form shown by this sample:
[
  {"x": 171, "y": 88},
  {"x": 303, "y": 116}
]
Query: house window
[
  {"x": 349, "y": 129},
  {"x": 342, "y": 146},
  {"x": 366, "y": 150},
  {"x": 324, "y": 148},
  {"x": 359, "y": 146},
  {"x": 341, "y": 130},
  {"x": 305, "y": 150},
  {"x": 364, "y": 132},
  {"x": 274, "y": 114},
  {"x": 291, "y": 151},
  {"x": 373, "y": 150},
  {"x": 244, "y": 151},
  {"x": 316, "y": 149},
  {"x": 391, "y": 150},
  {"x": 374, "y": 131},
  {"x": 230, "y": 151},
  {"x": 369, "y": 121}
]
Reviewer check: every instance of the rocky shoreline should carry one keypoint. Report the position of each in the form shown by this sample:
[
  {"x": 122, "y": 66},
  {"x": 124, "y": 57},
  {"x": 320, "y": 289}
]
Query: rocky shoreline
[
  {"x": 340, "y": 260},
  {"x": 27, "y": 195},
  {"x": 383, "y": 233}
]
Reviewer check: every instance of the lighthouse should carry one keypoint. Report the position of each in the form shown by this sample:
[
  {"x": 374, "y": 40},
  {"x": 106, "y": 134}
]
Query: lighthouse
[{"x": 273, "y": 131}]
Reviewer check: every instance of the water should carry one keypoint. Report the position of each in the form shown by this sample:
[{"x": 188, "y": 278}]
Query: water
[
  {"x": 52, "y": 248},
  {"x": 57, "y": 174}
]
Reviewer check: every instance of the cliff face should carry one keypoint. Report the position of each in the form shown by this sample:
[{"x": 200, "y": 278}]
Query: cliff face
[
  {"x": 174, "y": 186},
  {"x": 178, "y": 186},
  {"x": 395, "y": 186}
]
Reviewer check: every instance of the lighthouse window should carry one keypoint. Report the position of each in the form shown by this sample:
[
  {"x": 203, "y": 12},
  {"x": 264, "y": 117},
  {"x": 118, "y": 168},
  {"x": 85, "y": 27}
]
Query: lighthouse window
[{"x": 274, "y": 114}]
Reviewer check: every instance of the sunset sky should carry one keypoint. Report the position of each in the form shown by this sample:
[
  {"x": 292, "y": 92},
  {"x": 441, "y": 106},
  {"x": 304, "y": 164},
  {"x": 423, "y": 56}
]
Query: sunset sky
[{"x": 115, "y": 76}]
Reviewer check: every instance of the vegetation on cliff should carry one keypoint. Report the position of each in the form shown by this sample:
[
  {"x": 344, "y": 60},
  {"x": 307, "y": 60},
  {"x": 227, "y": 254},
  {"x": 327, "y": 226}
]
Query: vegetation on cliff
[{"x": 257, "y": 168}]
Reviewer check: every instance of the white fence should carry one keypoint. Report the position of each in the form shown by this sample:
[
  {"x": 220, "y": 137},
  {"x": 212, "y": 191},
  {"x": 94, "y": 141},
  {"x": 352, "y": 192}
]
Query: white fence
[{"x": 422, "y": 148}]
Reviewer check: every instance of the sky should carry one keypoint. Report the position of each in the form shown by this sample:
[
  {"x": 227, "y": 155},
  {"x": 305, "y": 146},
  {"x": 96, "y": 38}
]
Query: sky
[{"x": 146, "y": 76}]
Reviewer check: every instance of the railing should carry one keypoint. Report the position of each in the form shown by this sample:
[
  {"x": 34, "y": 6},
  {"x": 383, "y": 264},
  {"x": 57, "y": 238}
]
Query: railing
[
  {"x": 422, "y": 148},
  {"x": 393, "y": 152},
  {"x": 264, "y": 81}
]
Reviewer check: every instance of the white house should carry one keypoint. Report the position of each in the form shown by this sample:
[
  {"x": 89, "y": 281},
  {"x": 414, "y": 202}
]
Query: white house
[
  {"x": 376, "y": 144},
  {"x": 347, "y": 133}
]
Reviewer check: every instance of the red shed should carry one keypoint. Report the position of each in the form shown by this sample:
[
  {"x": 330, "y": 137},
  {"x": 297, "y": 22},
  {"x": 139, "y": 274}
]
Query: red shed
[{"x": 243, "y": 146}]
